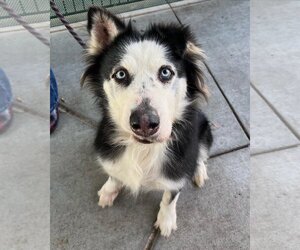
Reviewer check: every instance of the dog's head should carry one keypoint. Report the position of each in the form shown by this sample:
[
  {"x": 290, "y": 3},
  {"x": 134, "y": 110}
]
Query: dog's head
[{"x": 144, "y": 81}]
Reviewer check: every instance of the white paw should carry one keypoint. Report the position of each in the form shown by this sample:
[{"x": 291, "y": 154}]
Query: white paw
[
  {"x": 166, "y": 223},
  {"x": 106, "y": 198},
  {"x": 201, "y": 175}
]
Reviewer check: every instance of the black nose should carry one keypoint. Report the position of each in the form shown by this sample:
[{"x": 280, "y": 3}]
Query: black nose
[{"x": 144, "y": 122}]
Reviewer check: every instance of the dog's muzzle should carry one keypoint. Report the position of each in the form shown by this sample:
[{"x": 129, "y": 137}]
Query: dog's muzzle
[{"x": 144, "y": 122}]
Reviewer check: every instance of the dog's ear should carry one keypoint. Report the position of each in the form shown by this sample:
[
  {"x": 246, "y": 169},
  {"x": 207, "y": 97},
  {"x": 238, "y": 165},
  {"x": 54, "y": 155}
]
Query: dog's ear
[
  {"x": 185, "y": 47},
  {"x": 194, "y": 57},
  {"x": 103, "y": 28}
]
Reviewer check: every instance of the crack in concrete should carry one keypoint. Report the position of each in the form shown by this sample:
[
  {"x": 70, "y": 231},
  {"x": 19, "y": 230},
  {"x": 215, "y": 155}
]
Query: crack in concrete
[
  {"x": 276, "y": 112},
  {"x": 275, "y": 150},
  {"x": 65, "y": 109}
]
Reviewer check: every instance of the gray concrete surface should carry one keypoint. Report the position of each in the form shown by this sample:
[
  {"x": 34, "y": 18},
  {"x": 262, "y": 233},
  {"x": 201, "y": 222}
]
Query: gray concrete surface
[
  {"x": 216, "y": 216},
  {"x": 25, "y": 146},
  {"x": 224, "y": 122},
  {"x": 275, "y": 200},
  {"x": 275, "y": 57},
  {"x": 265, "y": 123},
  {"x": 275, "y": 61},
  {"x": 24, "y": 184}
]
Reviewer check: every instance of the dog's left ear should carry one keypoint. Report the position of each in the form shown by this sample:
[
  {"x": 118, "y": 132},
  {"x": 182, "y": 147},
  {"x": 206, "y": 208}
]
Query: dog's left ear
[
  {"x": 194, "y": 57},
  {"x": 185, "y": 46},
  {"x": 103, "y": 28}
]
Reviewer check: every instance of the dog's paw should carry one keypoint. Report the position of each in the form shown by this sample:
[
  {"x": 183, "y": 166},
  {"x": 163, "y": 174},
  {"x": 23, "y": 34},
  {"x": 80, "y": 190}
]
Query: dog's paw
[
  {"x": 199, "y": 179},
  {"x": 166, "y": 223},
  {"x": 201, "y": 175},
  {"x": 106, "y": 198}
]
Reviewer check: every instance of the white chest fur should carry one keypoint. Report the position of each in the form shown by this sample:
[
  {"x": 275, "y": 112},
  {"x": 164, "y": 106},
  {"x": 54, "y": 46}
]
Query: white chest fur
[{"x": 140, "y": 166}]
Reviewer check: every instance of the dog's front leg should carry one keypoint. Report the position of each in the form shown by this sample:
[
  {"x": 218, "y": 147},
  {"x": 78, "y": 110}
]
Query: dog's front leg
[
  {"x": 166, "y": 218},
  {"x": 109, "y": 192},
  {"x": 200, "y": 175}
]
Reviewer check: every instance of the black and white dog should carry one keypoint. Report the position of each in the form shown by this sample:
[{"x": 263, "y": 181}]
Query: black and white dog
[{"x": 153, "y": 135}]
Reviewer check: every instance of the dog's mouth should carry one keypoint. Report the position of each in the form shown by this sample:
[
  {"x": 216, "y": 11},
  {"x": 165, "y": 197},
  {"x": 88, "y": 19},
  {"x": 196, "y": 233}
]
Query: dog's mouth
[
  {"x": 148, "y": 140},
  {"x": 143, "y": 140}
]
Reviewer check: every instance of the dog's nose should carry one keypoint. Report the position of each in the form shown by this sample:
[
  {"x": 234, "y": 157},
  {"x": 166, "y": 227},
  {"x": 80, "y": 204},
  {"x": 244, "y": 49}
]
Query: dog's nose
[{"x": 144, "y": 122}]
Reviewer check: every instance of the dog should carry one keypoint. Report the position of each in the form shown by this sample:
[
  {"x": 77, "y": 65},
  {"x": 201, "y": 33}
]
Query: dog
[{"x": 150, "y": 86}]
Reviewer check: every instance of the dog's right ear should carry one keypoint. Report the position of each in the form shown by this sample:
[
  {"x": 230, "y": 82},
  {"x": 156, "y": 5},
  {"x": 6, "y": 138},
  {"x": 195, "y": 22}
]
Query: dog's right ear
[{"x": 103, "y": 28}]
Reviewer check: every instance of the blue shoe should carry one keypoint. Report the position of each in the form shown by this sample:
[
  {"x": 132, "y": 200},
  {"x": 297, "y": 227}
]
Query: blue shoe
[{"x": 5, "y": 102}]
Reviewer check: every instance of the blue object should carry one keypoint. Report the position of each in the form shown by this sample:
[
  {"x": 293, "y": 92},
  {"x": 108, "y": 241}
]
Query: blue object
[
  {"x": 53, "y": 102},
  {"x": 5, "y": 92},
  {"x": 5, "y": 102},
  {"x": 53, "y": 92}
]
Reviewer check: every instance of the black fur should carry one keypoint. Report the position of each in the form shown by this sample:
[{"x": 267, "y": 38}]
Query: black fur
[
  {"x": 184, "y": 148},
  {"x": 104, "y": 145}
]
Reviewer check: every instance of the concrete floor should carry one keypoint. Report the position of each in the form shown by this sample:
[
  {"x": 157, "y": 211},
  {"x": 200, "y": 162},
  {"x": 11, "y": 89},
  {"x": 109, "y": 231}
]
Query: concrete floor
[
  {"x": 25, "y": 146},
  {"x": 215, "y": 217},
  {"x": 275, "y": 125}
]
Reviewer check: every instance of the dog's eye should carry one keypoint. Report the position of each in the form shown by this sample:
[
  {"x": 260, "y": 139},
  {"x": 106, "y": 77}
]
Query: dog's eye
[
  {"x": 165, "y": 74},
  {"x": 121, "y": 76}
]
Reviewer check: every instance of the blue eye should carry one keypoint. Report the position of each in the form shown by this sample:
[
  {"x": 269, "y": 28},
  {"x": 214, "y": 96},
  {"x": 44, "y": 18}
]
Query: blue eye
[
  {"x": 120, "y": 75},
  {"x": 165, "y": 74}
]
